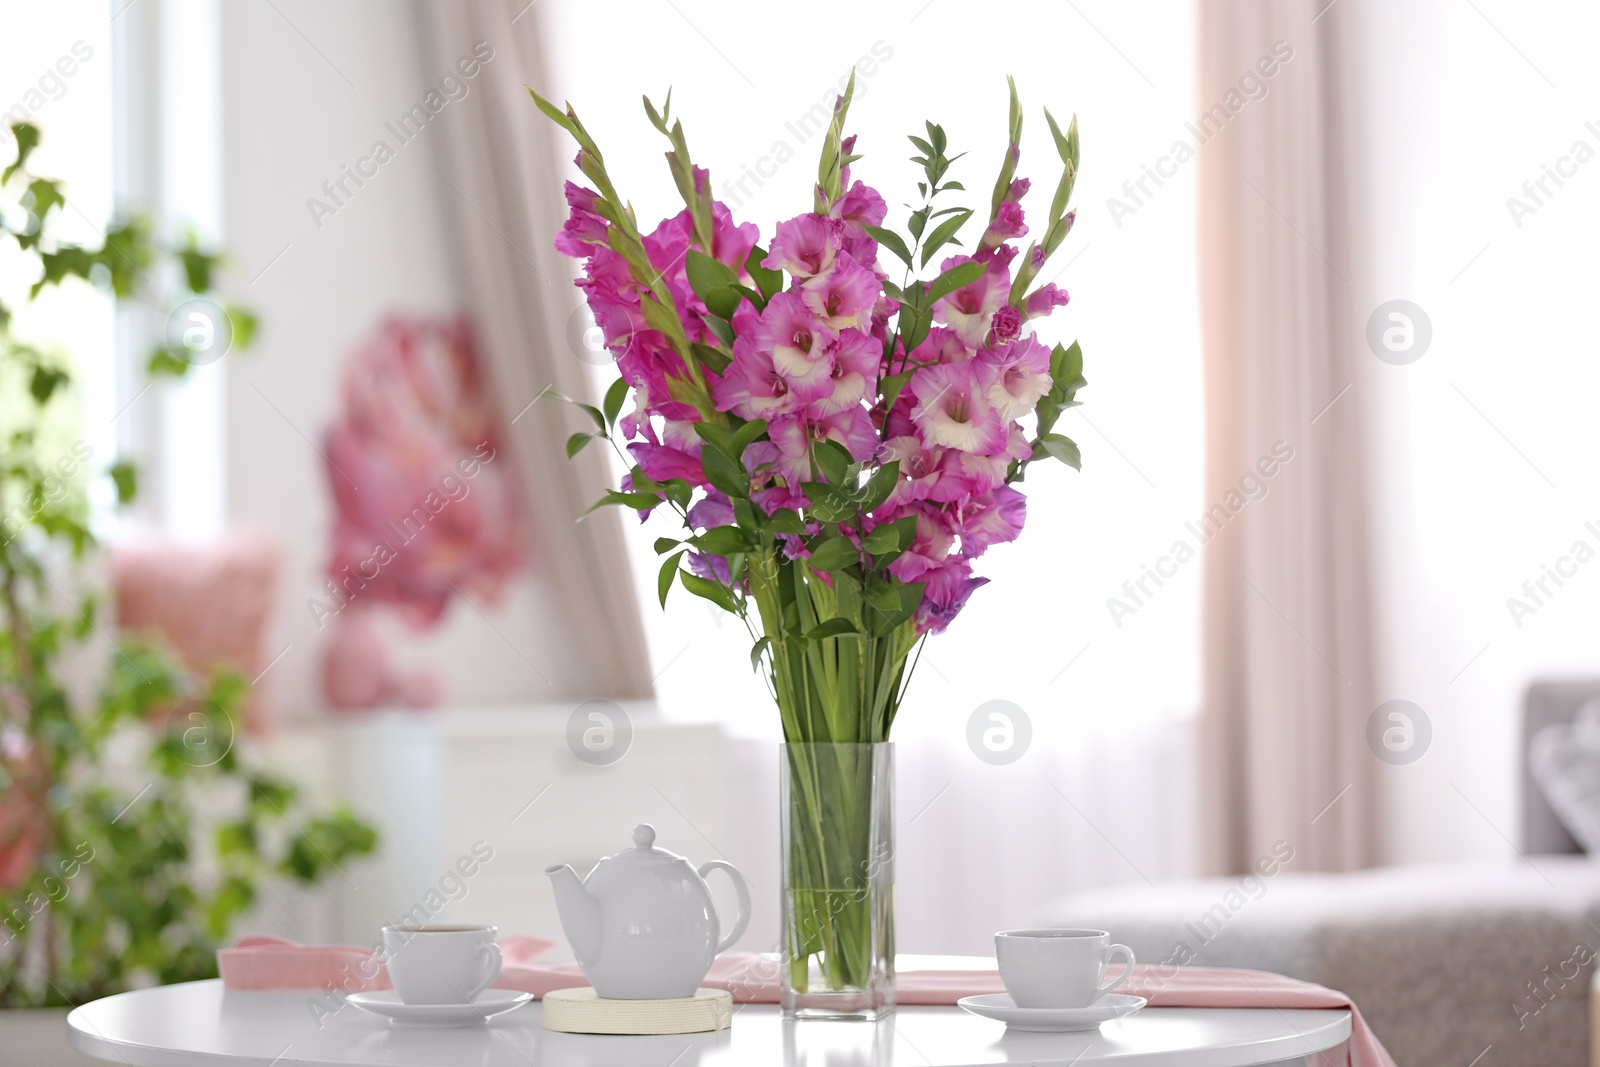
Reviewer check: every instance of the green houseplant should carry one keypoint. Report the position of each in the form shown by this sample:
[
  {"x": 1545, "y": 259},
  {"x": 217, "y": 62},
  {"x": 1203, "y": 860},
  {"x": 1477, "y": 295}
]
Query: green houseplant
[{"x": 125, "y": 871}]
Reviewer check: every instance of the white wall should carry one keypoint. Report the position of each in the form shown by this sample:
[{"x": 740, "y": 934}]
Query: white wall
[{"x": 307, "y": 89}]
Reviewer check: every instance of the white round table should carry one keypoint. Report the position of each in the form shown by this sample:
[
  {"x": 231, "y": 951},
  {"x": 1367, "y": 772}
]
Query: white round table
[{"x": 197, "y": 1024}]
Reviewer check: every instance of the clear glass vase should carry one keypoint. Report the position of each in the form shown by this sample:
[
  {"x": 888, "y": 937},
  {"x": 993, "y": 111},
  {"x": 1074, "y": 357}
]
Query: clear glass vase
[{"x": 836, "y": 806}]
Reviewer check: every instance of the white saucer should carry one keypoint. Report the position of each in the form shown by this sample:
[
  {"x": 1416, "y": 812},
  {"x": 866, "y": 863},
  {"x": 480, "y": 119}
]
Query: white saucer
[
  {"x": 999, "y": 1006},
  {"x": 489, "y": 1003}
]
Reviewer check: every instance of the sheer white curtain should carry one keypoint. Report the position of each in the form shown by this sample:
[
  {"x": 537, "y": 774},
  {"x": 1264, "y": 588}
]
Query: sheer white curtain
[{"x": 1105, "y": 792}]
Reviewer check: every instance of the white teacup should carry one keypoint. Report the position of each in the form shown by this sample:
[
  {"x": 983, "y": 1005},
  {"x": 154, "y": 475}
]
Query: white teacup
[
  {"x": 441, "y": 964},
  {"x": 1057, "y": 968}
]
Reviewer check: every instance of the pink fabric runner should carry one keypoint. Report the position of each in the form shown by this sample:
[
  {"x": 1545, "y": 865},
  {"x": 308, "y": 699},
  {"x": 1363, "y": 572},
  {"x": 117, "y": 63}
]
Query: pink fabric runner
[{"x": 273, "y": 963}]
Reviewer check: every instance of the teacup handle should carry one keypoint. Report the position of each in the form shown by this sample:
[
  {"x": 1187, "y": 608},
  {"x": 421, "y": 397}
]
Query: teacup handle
[
  {"x": 742, "y": 890},
  {"x": 1126, "y": 971},
  {"x": 490, "y": 955}
]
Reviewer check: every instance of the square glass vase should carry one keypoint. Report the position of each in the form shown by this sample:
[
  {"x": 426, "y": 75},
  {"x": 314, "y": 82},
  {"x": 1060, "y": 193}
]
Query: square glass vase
[{"x": 836, "y": 807}]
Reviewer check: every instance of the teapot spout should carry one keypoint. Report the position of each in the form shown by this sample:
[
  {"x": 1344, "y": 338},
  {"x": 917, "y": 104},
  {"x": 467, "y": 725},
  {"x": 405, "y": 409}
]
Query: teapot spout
[{"x": 580, "y": 914}]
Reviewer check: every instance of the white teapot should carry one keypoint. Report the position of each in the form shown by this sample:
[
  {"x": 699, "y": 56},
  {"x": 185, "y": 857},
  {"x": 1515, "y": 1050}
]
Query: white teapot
[{"x": 643, "y": 924}]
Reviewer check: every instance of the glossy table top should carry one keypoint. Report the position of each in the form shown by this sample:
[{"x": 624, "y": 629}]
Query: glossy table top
[{"x": 197, "y": 1024}]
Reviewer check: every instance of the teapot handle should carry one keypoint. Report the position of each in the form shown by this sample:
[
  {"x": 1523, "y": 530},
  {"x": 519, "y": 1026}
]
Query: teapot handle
[{"x": 739, "y": 888}]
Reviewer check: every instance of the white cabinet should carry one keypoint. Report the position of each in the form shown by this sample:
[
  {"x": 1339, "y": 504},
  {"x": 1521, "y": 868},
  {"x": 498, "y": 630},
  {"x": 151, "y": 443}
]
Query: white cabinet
[{"x": 448, "y": 788}]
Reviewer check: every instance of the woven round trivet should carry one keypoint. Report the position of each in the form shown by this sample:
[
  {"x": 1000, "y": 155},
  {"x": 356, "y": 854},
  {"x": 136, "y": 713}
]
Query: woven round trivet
[{"x": 582, "y": 1011}]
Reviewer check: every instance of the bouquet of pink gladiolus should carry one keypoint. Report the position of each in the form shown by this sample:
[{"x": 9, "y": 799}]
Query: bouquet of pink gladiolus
[{"x": 840, "y": 446}]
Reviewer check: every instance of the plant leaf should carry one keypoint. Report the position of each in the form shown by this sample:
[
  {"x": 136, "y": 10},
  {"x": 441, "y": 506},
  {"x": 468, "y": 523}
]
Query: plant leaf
[
  {"x": 716, "y": 592},
  {"x": 756, "y": 650},
  {"x": 1059, "y": 447},
  {"x": 707, "y": 274},
  {"x": 669, "y": 571},
  {"x": 834, "y": 554},
  {"x": 957, "y": 277},
  {"x": 616, "y": 396},
  {"x": 831, "y": 628},
  {"x": 721, "y": 541},
  {"x": 890, "y": 240},
  {"x": 768, "y": 281},
  {"x": 715, "y": 358},
  {"x": 944, "y": 233},
  {"x": 577, "y": 441}
]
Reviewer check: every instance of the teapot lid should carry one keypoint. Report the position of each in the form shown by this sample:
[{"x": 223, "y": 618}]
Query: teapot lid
[{"x": 644, "y": 850}]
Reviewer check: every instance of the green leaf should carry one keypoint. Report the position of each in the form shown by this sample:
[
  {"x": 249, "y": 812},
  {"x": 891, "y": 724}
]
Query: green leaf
[
  {"x": 746, "y": 515},
  {"x": 768, "y": 281},
  {"x": 724, "y": 472},
  {"x": 716, "y": 592},
  {"x": 757, "y": 301},
  {"x": 834, "y": 461},
  {"x": 722, "y": 302},
  {"x": 244, "y": 325},
  {"x": 43, "y": 194},
  {"x": 707, "y": 275},
  {"x": 589, "y": 409},
  {"x": 44, "y": 382},
  {"x": 890, "y": 240},
  {"x": 880, "y": 485},
  {"x": 893, "y": 385},
  {"x": 721, "y": 541},
  {"x": 889, "y": 605},
  {"x": 636, "y": 501},
  {"x": 745, "y": 435},
  {"x": 944, "y": 233},
  {"x": 197, "y": 267},
  {"x": 957, "y": 277},
  {"x": 831, "y": 628},
  {"x": 721, "y": 327},
  {"x": 26, "y": 134},
  {"x": 1058, "y": 447},
  {"x": 891, "y": 538},
  {"x": 616, "y": 396},
  {"x": 834, "y": 554},
  {"x": 756, "y": 650},
  {"x": 666, "y": 544},
  {"x": 679, "y": 491},
  {"x": 577, "y": 441},
  {"x": 669, "y": 571},
  {"x": 919, "y": 218},
  {"x": 164, "y": 363},
  {"x": 786, "y": 521},
  {"x": 125, "y": 476},
  {"x": 715, "y": 358}
]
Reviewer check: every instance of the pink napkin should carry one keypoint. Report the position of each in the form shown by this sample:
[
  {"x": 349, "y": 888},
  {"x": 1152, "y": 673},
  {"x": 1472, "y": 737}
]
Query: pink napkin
[{"x": 272, "y": 963}]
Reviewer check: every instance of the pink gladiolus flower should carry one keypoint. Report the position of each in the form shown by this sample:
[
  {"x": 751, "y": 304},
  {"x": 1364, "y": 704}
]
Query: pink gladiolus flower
[
  {"x": 731, "y": 242},
  {"x": 919, "y": 470},
  {"x": 1006, "y": 225},
  {"x": 845, "y": 296},
  {"x": 713, "y": 509},
  {"x": 942, "y": 346},
  {"x": 1045, "y": 299},
  {"x": 583, "y": 229},
  {"x": 1023, "y": 376},
  {"x": 1007, "y": 323},
  {"x": 663, "y": 463},
  {"x": 992, "y": 520},
  {"x": 794, "y": 436},
  {"x": 946, "y": 593},
  {"x": 953, "y": 409},
  {"x": 928, "y": 549},
  {"x": 752, "y": 388},
  {"x": 1019, "y": 189},
  {"x": 968, "y": 310},
  {"x": 855, "y": 366},
  {"x": 798, "y": 344},
  {"x": 859, "y": 206},
  {"x": 805, "y": 246}
]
